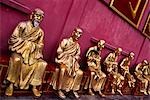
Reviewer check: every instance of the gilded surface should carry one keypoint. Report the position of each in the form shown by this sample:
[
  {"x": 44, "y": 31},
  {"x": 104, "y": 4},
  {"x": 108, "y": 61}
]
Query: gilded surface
[
  {"x": 142, "y": 72},
  {"x": 26, "y": 66},
  {"x": 97, "y": 78},
  {"x": 68, "y": 75},
  {"x": 112, "y": 69},
  {"x": 125, "y": 64}
]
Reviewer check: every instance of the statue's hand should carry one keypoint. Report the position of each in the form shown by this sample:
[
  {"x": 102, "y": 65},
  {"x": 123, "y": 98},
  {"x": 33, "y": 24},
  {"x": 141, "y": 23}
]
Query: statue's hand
[
  {"x": 77, "y": 58},
  {"x": 39, "y": 45}
]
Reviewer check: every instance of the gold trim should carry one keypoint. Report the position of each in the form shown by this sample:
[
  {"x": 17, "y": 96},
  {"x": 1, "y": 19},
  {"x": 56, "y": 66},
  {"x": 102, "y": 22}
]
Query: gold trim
[
  {"x": 148, "y": 19},
  {"x": 126, "y": 18}
]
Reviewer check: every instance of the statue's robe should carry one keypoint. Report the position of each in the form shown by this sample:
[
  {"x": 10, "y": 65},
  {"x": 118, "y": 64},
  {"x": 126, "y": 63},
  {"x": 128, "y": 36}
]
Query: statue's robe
[
  {"x": 26, "y": 66},
  {"x": 67, "y": 59},
  {"x": 97, "y": 79}
]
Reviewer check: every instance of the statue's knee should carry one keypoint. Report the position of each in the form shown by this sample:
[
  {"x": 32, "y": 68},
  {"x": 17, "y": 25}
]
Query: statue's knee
[
  {"x": 104, "y": 76},
  {"x": 121, "y": 77},
  {"x": 92, "y": 73},
  {"x": 146, "y": 81},
  {"x": 17, "y": 59},
  {"x": 62, "y": 69},
  {"x": 57, "y": 69},
  {"x": 42, "y": 63},
  {"x": 80, "y": 73}
]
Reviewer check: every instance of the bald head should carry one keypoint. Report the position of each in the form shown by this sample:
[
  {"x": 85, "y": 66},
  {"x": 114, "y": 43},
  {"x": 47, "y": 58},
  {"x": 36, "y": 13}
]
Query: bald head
[
  {"x": 101, "y": 44},
  {"x": 77, "y": 32},
  {"x": 118, "y": 51},
  {"x": 37, "y": 16}
]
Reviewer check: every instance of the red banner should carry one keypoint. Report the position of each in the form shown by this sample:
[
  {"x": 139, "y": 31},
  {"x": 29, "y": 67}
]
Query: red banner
[{"x": 130, "y": 10}]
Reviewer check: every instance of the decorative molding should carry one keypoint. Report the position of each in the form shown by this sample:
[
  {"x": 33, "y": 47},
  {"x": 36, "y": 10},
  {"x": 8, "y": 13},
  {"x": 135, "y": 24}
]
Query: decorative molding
[
  {"x": 108, "y": 46},
  {"x": 16, "y": 5},
  {"x": 146, "y": 30},
  {"x": 106, "y": 1},
  {"x": 133, "y": 20}
]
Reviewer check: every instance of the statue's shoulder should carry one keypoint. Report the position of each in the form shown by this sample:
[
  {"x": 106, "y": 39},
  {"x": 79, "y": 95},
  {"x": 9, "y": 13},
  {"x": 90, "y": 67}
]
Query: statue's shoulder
[
  {"x": 124, "y": 59},
  {"x": 110, "y": 54},
  {"x": 92, "y": 49},
  {"x": 41, "y": 30},
  {"x": 65, "y": 40},
  {"x": 22, "y": 23}
]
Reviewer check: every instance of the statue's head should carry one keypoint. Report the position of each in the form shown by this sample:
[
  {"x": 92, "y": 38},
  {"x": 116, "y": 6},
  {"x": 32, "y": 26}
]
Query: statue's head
[
  {"x": 101, "y": 44},
  {"x": 76, "y": 34},
  {"x": 36, "y": 17},
  {"x": 118, "y": 51},
  {"x": 145, "y": 62},
  {"x": 131, "y": 55}
]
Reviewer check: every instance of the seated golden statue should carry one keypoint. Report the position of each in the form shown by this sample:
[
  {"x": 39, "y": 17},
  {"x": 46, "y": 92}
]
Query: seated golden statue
[
  {"x": 142, "y": 71},
  {"x": 97, "y": 79},
  {"x": 68, "y": 76},
  {"x": 26, "y": 66},
  {"x": 112, "y": 68},
  {"x": 146, "y": 71},
  {"x": 125, "y": 64}
]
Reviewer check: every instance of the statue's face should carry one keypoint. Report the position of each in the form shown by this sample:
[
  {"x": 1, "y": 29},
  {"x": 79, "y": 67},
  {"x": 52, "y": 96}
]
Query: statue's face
[
  {"x": 118, "y": 51},
  {"x": 76, "y": 35},
  {"x": 145, "y": 63},
  {"x": 37, "y": 18},
  {"x": 100, "y": 45},
  {"x": 131, "y": 56}
]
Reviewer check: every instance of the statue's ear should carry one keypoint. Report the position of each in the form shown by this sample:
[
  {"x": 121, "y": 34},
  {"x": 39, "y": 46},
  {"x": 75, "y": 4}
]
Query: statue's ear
[{"x": 31, "y": 16}]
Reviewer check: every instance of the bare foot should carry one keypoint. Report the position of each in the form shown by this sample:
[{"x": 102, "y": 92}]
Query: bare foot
[
  {"x": 9, "y": 90},
  {"x": 101, "y": 94},
  {"x": 144, "y": 91},
  {"x": 76, "y": 94},
  {"x": 61, "y": 94},
  {"x": 149, "y": 92},
  {"x": 119, "y": 92},
  {"x": 113, "y": 91},
  {"x": 91, "y": 92},
  {"x": 36, "y": 92}
]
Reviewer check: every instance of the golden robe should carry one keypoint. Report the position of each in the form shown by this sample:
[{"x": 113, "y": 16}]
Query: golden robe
[
  {"x": 143, "y": 74},
  {"x": 26, "y": 65},
  {"x": 68, "y": 56},
  {"x": 125, "y": 64},
  {"x": 112, "y": 67},
  {"x": 97, "y": 78},
  {"x": 146, "y": 74}
]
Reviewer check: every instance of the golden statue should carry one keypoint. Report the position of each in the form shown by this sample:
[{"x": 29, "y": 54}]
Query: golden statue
[
  {"x": 68, "y": 76},
  {"x": 97, "y": 79},
  {"x": 26, "y": 66},
  {"x": 146, "y": 72},
  {"x": 112, "y": 68},
  {"x": 142, "y": 71},
  {"x": 125, "y": 64}
]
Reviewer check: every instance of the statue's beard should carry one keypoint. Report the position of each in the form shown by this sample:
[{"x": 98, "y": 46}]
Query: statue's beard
[{"x": 36, "y": 23}]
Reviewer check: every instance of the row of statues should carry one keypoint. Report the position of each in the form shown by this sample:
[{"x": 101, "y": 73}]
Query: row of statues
[{"x": 26, "y": 65}]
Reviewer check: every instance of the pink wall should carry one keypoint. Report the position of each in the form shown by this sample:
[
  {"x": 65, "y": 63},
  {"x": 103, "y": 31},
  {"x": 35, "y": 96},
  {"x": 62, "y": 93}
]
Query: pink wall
[
  {"x": 9, "y": 18},
  {"x": 62, "y": 16},
  {"x": 145, "y": 51}
]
